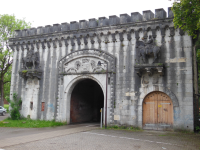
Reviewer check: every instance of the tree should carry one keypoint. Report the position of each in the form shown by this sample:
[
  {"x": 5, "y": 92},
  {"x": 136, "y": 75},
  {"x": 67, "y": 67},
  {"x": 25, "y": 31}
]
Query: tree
[
  {"x": 15, "y": 106},
  {"x": 8, "y": 24},
  {"x": 187, "y": 16}
]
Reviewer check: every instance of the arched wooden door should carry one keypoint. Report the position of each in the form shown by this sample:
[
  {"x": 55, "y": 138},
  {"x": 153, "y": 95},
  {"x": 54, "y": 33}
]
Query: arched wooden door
[{"x": 157, "y": 111}]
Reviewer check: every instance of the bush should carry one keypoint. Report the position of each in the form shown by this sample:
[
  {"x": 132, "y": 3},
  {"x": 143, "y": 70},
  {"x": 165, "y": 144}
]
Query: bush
[
  {"x": 6, "y": 106},
  {"x": 15, "y": 105}
]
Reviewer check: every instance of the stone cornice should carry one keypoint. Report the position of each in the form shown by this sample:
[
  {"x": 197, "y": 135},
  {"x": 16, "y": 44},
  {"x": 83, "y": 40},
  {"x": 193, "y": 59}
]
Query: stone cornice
[{"x": 84, "y": 31}]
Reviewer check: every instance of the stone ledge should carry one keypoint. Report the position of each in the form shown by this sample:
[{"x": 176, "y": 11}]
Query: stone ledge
[
  {"x": 30, "y": 73},
  {"x": 149, "y": 68}
]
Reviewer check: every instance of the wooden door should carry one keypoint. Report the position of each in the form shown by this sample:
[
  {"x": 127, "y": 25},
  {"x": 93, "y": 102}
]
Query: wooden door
[{"x": 157, "y": 111}]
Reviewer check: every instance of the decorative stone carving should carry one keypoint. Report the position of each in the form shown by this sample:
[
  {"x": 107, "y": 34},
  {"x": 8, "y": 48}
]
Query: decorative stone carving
[
  {"x": 113, "y": 37},
  {"x": 22, "y": 47},
  {"x": 30, "y": 67},
  {"x": 121, "y": 36},
  {"x": 72, "y": 42},
  {"x": 84, "y": 65},
  {"x": 17, "y": 47},
  {"x": 54, "y": 44},
  {"x": 137, "y": 35},
  {"x": 129, "y": 36},
  {"x": 48, "y": 44},
  {"x": 147, "y": 48},
  {"x": 85, "y": 40},
  {"x": 60, "y": 43},
  {"x": 92, "y": 39},
  {"x": 150, "y": 69},
  {"x": 66, "y": 43},
  {"x": 26, "y": 46},
  {"x": 43, "y": 46},
  {"x": 172, "y": 32},
  {"x": 154, "y": 33},
  {"x": 78, "y": 40},
  {"x": 37, "y": 45},
  {"x": 32, "y": 46}
]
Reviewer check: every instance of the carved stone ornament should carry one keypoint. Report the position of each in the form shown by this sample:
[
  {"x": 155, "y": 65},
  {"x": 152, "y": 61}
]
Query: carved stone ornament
[
  {"x": 87, "y": 61},
  {"x": 147, "y": 48},
  {"x": 30, "y": 66},
  {"x": 84, "y": 65},
  {"x": 150, "y": 69}
]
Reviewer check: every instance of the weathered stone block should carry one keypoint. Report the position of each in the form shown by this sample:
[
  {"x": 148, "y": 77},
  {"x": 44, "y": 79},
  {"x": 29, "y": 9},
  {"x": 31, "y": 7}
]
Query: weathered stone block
[
  {"x": 136, "y": 17},
  {"x": 103, "y": 21},
  {"x": 113, "y": 20},
  {"x": 83, "y": 24},
  {"x": 48, "y": 29},
  {"x": 148, "y": 15},
  {"x": 170, "y": 13},
  {"x": 160, "y": 14},
  {"x": 65, "y": 26},
  {"x": 124, "y": 18},
  {"x": 93, "y": 23},
  {"x": 74, "y": 25},
  {"x": 56, "y": 27}
]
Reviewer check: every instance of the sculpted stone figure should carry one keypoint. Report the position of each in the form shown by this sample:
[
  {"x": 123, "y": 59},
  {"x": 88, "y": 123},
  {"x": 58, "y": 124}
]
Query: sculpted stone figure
[
  {"x": 31, "y": 60},
  {"x": 147, "y": 48}
]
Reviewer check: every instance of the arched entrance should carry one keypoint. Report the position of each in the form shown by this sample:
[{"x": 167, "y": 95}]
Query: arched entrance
[
  {"x": 87, "y": 99},
  {"x": 157, "y": 111}
]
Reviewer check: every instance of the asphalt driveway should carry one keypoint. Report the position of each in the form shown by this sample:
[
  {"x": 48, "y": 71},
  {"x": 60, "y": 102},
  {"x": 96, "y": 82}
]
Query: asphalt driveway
[{"x": 3, "y": 117}]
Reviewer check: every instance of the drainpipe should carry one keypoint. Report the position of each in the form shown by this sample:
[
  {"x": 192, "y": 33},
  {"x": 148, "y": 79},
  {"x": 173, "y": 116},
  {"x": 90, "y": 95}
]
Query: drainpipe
[{"x": 106, "y": 96}]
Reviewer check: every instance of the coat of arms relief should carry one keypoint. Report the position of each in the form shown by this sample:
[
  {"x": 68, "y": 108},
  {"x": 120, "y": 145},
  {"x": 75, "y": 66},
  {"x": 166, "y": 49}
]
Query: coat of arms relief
[{"x": 85, "y": 65}]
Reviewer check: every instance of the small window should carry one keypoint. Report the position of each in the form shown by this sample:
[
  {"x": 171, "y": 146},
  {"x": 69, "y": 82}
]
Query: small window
[
  {"x": 20, "y": 108},
  {"x": 43, "y": 104},
  {"x": 31, "y": 105},
  {"x": 108, "y": 80}
]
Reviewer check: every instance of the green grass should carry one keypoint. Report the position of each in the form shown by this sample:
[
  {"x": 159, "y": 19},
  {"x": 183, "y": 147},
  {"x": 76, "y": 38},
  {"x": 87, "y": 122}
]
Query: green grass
[
  {"x": 6, "y": 106},
  {"x": 115, "y": 127},
  {"x": 28, "y": 123}
]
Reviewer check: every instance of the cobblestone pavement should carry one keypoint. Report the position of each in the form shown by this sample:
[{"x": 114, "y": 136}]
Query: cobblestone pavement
[{"x": 88, "y": 137}]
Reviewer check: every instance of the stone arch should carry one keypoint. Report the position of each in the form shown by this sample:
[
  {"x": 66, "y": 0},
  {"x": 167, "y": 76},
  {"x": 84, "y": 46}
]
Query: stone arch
[
  {"x": 149, "y": 89},
  {"x": 76, "y": 80},
  {"x": 69, "y": 89},
  {"x": 67, "y": 81},
  {"x": 144, "y": 91}
]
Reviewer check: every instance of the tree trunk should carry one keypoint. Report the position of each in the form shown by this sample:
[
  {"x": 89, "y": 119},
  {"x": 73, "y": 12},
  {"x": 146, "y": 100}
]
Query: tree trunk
[{"x": 2, "y": 93}]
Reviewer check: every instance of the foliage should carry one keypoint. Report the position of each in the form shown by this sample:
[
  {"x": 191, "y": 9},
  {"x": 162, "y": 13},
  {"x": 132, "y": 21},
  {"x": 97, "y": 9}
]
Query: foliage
[
  {"x": 8, "y": 24},
  {"x": 6, "y": 106},
  {"x": 123, "y": 128},
  {"x": 7, "y": 79},
  {"x": 24, "y": 71},
  {"x": 187, "y": 16},
  {"x": 15, "y": 106},
  {"x": 29, "y": 123}
]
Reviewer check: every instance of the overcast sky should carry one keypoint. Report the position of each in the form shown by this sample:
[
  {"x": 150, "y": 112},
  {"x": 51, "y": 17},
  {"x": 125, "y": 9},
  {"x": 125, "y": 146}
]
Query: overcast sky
[{"x": 49, "y": 12}]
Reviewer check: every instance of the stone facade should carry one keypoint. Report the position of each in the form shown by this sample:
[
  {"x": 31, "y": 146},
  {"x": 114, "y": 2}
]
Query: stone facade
[{"x": 64, "y": 54}]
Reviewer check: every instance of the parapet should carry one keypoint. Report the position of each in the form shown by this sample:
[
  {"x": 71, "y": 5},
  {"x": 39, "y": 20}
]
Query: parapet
[{"x": 113, "y": 20}]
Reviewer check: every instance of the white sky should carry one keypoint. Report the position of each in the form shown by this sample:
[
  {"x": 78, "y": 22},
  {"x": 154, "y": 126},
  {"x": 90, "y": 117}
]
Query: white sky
[{"x": 49, "y": 12}]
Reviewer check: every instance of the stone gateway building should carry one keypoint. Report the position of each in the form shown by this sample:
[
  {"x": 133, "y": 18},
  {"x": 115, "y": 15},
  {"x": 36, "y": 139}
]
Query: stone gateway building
[{"x": 137, "y": 67}]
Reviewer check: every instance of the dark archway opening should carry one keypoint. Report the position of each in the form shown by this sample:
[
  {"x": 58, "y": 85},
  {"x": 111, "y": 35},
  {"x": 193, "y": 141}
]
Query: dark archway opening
[{"x": 86, "y": 101}]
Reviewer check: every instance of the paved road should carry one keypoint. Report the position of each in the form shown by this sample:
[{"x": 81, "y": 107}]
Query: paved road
[
  {"x": 3, "y": 117},
  {"x": 90, "y": 137}
]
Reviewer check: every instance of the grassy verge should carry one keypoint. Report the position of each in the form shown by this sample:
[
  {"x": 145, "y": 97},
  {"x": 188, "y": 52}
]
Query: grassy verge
[
  {"x": 115, "y": 127},
  {"x": 6, "y": 106},
  {"x": 28, "y": 123}
]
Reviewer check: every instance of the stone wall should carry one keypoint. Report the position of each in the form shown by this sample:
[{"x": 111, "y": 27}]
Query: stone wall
[{"x": 113, "y": 41}]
